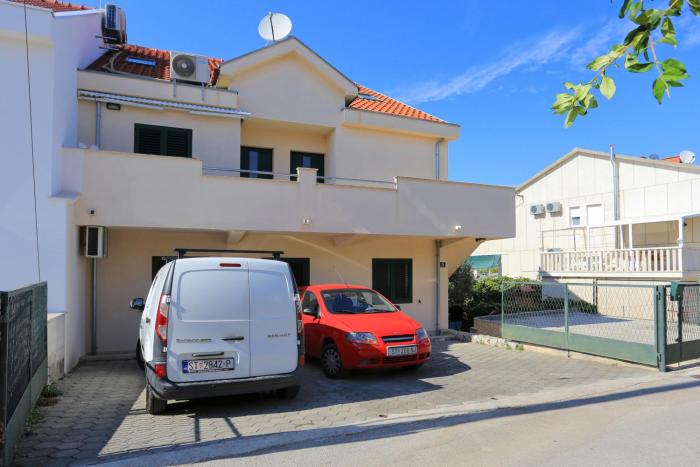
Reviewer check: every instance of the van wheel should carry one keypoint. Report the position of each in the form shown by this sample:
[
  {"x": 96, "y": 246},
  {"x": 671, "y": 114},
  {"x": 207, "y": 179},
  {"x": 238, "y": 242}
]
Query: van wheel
[
  {"x": 154, "y": 405},
  {"x": 331, "y": 363},
  {"x": 139, "y": 356},
  {"x": 288, "y": 393}
]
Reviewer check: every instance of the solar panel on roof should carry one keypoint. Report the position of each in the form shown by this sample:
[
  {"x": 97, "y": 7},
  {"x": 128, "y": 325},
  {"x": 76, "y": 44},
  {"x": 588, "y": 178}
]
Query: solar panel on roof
[{"x": 141, "y": 61}]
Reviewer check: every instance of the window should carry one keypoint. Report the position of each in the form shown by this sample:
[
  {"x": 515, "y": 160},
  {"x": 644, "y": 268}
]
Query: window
[
  {"x": 309, "y": 305},
  {"x": 308, "y": 160},
  {"x": 301, "y": 270},
  {"x": 393, "y": 278},
  {"x": 594, "y": 214},
  {"x": 256, "y": 160},
  {"x": 162, "y": 140},
  {"x": 355, "y": 301},
  {"x": 158, "y": 262},
  {"x": 575, "y": 216}
]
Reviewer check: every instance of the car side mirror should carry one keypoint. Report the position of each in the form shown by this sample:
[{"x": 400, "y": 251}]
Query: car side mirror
[
  {"x": 398, "y": 307},
  {"x": 137, "y": 304},
  {"x": 315, "y": 311}
]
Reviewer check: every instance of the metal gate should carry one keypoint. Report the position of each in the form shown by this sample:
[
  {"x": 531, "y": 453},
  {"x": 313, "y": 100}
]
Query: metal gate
[{"x": 648, "y": 324}]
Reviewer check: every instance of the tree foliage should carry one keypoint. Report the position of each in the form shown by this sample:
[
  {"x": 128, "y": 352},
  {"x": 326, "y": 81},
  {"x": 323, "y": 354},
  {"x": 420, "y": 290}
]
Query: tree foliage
[{"x": 638, "y": 54}]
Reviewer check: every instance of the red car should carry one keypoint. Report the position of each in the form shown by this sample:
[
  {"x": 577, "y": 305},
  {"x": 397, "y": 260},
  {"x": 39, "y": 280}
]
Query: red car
[{"x": 353, "y": 327}]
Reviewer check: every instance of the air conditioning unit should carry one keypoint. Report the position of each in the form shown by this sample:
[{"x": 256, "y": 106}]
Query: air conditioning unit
[
  {"x": 537, "y": 209},
  {"x": 187, "y": 67},
  {"x": 114, "y": 25},
  {"x": 95, "y": 241},
  {"x": 553, "y": 207}
]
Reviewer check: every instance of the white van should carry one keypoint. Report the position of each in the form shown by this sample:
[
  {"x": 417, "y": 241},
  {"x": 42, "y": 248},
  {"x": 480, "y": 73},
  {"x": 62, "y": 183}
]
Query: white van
[{"x": 220, "y": 326}]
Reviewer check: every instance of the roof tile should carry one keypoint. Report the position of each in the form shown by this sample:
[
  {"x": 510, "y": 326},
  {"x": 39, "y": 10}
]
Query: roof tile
[{"x": 54, "y": 5}]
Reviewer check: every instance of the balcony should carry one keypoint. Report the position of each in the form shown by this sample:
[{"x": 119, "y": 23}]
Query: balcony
[
  {"x": 670, "y": 257},
  {"x": 140, "y": 191},
  {"x": 662, "y": 262}
]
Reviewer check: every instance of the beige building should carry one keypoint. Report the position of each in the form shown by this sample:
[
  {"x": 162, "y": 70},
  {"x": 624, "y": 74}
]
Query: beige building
[
  {"x": 272, "y": 150},
  {"x": 593, "y": 215}
]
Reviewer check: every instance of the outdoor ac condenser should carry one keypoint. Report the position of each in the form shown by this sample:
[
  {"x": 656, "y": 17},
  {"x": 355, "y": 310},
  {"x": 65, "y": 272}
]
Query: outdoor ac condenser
[{"x": 95, "y": 241}]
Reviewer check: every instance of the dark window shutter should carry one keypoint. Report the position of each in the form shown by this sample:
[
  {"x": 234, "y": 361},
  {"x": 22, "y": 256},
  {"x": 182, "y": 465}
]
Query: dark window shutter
[
  {"x": 316, "y": 161},
  {"x": 264, "y": 162},
  {"x": 393, "y": 278},
  {"x": 148, "y": 139},
  {"x": 178, "y": 142}
]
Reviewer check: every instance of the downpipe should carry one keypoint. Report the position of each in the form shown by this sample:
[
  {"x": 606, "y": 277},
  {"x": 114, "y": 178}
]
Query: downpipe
[
  {"x": 615, "y": 194},
  {"x": 438, "y": 246}
]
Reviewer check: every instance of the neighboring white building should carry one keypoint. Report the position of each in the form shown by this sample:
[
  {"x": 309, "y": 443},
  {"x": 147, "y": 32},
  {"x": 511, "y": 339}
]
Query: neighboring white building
[
  {"x": 566, "y": 223},
  {"x": 277, "y": 150}
]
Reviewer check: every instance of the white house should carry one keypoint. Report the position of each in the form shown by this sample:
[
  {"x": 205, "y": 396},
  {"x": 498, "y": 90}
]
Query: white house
[
  {"x": 593, "y": 215},
  {"x": 272, "y": 150}
]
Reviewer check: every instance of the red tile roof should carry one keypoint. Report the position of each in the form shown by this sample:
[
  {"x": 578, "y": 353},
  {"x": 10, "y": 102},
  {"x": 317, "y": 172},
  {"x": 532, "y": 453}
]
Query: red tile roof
[
  {"x": 676, "y": 159},
  {"x": 115, "y": 61},
  {"x": 385, "y": 104},
  {"x": 54, "y": 5}
]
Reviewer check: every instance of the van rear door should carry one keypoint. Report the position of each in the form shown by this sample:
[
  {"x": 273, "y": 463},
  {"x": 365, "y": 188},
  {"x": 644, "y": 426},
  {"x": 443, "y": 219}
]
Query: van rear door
[
  {"x": 209, "y": 320},
  {"x": 273, "y": 319}
]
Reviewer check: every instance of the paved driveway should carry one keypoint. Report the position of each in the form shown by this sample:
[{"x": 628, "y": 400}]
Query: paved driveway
[{"x": 102, "y": 416}]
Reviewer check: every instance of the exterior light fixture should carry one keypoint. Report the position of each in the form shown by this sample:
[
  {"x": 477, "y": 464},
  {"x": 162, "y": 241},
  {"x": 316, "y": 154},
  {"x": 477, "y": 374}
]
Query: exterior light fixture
[
  {"x": 458, "y": 228},
  {"x": 306, "y": 221}
]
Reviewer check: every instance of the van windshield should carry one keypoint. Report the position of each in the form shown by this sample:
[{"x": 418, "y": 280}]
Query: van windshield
[{"x": 356, "y": 301}]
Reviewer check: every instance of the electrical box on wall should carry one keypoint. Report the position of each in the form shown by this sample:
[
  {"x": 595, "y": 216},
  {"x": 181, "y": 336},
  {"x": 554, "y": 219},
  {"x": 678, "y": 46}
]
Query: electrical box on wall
[{"x": 95, "y": 241}]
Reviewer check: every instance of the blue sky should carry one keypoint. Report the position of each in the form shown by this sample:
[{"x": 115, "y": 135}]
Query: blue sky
[{"x": 491, "y": 67}]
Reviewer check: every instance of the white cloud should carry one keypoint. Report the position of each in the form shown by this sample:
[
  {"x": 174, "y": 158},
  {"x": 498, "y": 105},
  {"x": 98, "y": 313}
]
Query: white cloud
[
  {"x": 600, "y": 42},
  {"x": 526, "y": 55},
  {"x": 688, "y": 30}
]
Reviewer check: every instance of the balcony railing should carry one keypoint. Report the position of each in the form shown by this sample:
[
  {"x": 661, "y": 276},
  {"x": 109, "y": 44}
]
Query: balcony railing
[{"x": 645, "y": 261}]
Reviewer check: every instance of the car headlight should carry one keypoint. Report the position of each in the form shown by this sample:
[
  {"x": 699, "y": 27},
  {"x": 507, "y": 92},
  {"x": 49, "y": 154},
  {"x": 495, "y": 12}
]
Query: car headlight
[
  {"x": 421, "y": 334},
  {"x": 361, "y": 338}
]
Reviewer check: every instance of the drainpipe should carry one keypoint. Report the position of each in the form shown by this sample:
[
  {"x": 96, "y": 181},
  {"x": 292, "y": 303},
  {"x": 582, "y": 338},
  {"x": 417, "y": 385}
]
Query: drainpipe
[
  {"x": 615, "y": 194},
  {"x": 93, "y": 330},
  {"x": 437, "y": 158},
  {"x": 98, "y": 124},
  {"x": 438, "y": 245}
]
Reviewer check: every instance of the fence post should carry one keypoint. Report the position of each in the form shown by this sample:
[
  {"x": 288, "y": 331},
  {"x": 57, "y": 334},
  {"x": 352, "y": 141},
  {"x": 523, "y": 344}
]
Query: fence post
[
  {"x": 566, "y": 315},
  {"x": 503, "y": 287},
  {"x": 660, "y": 319}
]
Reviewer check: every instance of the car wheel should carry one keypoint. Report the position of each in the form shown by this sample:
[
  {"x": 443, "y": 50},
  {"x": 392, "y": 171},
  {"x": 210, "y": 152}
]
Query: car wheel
[
  {"x": 331, "y": 363},
  {"x": 154, "y": 405},
  {"x": 139, "y": 356},
  {"x": 288, "y": 393}
]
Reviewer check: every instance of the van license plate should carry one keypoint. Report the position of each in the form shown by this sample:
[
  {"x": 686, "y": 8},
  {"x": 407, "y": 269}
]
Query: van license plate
[
  {"x": 402, "y": 350},
  {"x": 204, "y": 366}
]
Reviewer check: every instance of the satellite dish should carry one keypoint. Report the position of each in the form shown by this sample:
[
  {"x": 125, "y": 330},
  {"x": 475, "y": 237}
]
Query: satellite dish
[
  {"x": 654, "y": 157},
  {"x": 687, "y": 157},
  {"x": 274, "y": 27}
]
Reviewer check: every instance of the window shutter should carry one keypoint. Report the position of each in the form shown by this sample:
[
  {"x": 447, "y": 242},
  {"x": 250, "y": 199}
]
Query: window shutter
[
  {"x": 148, "y": 139},
  {"x": 178, "y": 142},
  {"x": 393, "y": 278}
]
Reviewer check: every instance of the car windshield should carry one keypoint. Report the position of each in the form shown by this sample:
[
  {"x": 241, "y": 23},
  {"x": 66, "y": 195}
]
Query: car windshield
[{"x": 356, "y": 301}]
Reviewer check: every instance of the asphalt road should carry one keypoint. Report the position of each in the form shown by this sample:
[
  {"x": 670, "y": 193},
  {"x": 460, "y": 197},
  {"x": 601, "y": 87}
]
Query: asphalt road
[{"x": 650, "y": 424}]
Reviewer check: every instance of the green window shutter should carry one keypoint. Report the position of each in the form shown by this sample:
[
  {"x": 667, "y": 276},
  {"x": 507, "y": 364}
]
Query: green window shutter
[
  {"x": 393, "y": 278},
  {"x": 162, "y": 141},
  {"x": 148, "y": 139},
  {"x": 178, "y": 142}
]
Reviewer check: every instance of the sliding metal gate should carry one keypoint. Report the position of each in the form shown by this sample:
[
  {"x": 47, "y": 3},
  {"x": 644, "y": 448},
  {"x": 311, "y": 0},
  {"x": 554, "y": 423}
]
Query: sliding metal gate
[{"x": 631, "y": 322}]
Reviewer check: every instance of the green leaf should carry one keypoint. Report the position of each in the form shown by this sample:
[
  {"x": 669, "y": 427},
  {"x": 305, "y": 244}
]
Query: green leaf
[
  {"x": 607, "y": 87},
  {"x": 669, "y": 33},
  {"x": 671, "y": 64},
  {"x": 659, "y": 88},
  {"x": 635, "y": 9},
  {"x": 599, "y": 62},
  {"x": 649, "y": 18},
  {"x": 674, "y": 7},
  {"x": 640, "y": 67},
  {"x": 570, "y": 117},
  {"x": 625, "y": 6},
  {"x": 694, "y": 6}
]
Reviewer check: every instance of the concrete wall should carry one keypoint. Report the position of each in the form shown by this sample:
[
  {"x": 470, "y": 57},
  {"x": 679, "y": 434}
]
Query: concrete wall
[
  {"x": 56, "y": 349},
  {"x": 647, "y": 188},
  {"x": 126, "y": 272},
  {"x": 58, "y": 45}
]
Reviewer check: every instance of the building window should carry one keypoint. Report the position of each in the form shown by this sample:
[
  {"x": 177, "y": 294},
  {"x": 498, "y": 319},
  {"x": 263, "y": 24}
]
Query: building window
[
  {"x": 308, "y": 160},
  {"x": 575, "y": 216},
  {"x": 594, "y": 214},
  {"x": 158, "y": 262},
  {"x": 393, "y": 278},
  {"x": 256, "y": 160},
  {"x": 162, "y": 140}
]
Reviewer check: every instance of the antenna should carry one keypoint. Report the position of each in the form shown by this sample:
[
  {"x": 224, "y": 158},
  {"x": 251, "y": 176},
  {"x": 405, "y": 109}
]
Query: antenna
[
  {"x": 687, "y": 157},
  {"x": 342, "y": 279},
  {"x": 274, "y": 27}
]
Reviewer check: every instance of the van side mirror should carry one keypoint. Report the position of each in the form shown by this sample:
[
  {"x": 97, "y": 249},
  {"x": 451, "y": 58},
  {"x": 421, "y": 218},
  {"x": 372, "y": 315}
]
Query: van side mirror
[{"x": 137, "y": 304}]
